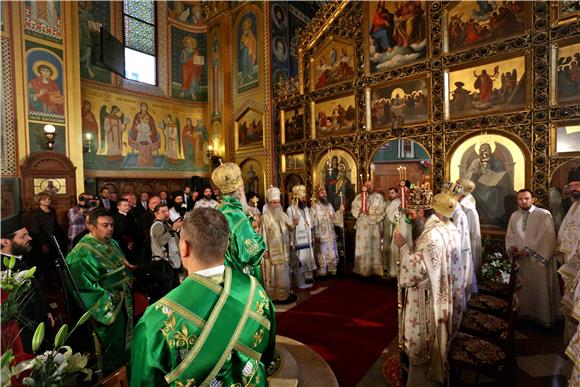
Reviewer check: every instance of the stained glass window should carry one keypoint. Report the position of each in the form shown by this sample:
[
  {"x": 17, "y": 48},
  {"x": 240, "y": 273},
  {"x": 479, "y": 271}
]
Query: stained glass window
[{"x": 140, "y": 41}]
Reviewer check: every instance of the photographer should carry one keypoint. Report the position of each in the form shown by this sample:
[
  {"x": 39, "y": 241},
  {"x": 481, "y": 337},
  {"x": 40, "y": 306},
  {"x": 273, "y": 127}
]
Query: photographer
[{"x": 76, "y": 219}]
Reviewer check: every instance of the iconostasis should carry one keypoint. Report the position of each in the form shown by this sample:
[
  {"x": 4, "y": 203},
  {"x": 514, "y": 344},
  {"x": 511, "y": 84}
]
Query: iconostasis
[{"x": 487, "y": 91}]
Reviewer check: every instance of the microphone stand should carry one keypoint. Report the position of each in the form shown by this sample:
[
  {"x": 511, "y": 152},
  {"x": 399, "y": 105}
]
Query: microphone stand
[{"x": 66, "y": 279}]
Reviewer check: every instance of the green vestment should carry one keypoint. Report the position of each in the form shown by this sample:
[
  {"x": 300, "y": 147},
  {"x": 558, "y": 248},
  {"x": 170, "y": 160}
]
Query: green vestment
[
  {"x": 246, "y": 247},
  {"x": 98, "y": 270},
  {"x": 204, "y": 333}
]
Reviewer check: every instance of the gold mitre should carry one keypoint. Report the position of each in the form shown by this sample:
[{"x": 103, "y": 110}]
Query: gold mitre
[
  {"x": 273, "y": 193},
  {"x": 468, "y": 185},
  {"x": 419, "y": 198},
  {"x": 299, "y": 191},
  {"x": 227, "y": 177},
  {"x": 444, "y": 203}
]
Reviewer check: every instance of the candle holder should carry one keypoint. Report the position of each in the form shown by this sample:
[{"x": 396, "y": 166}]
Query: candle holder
[{"x": 50, "y": 134}]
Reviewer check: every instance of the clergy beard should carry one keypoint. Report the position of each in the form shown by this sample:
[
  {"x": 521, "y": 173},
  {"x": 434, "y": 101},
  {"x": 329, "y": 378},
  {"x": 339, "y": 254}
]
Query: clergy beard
[
  {"x": 277, "y": 213},
  {"x": 323, "y": 201},
  {"x": 302, "y": 204},
  {"x": 417, "y": 226},
  {"x": 207, "y": 197},
  {"x": 20, "y": 249},
  {"x": 575, "y": 195}
]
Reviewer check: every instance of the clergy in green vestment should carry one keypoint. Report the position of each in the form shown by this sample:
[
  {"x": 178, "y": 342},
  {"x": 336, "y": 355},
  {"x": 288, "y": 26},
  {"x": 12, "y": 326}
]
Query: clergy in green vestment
[
  {"x": 215, "y": 329},
  {"x": 97, "y": 266},
  {"x": 247, "y": 247}
]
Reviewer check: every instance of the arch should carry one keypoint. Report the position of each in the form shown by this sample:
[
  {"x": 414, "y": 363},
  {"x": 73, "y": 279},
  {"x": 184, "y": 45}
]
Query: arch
[{"x": 329, "y": 171}]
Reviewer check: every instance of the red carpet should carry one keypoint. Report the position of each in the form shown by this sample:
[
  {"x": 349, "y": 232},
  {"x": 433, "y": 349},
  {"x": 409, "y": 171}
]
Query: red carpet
[{"x": 349, "y": 325}]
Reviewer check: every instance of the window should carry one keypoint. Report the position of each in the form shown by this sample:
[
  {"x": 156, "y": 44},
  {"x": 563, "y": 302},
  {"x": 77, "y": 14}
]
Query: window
[{"x": 140, "y": 41}]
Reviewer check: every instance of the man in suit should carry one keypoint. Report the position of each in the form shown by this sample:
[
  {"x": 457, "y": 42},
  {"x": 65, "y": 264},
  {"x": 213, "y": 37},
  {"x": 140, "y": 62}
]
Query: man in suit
[
  {"x": 123, "y": 230},
  {"x": 106, "y": 201},
  {"x": 187, "y": 199}
]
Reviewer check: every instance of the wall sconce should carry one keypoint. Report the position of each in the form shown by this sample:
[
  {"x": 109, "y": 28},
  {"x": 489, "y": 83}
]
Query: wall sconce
[
  {"x": 50, "y": 134},
  {"x": 88, "y": 145},
  {"x": 213, "y": 151}
]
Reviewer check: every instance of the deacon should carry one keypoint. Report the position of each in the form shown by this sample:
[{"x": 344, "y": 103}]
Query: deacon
[
  {"x": 394, "y": 218},
  {"x": 98, "y": 270},
  {"x": 216, "y": 328},
  {"x": 467, "y": 202},
  {"x": 246, "y": 247},
  {"x": 301, "y": 217},
  {"x": 425, "y": 322},
  {"x": 325, "y": 219},
  {"x": 530, "y": 239},
  {"x": 568, "y": 250},
  {"x": 444, "y": 205},
  {"x": 368, "y": 208},
  {"x": 206, "y": 200},
  {"x": 276, "y": 228}
]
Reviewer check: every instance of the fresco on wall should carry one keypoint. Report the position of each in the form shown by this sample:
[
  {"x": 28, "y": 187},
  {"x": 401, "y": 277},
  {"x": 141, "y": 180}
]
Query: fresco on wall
[
  {"x": 334, "y": 63},
  {"x": 189, "y": 13},
  {"x": 46, "y": 100},
  {"x": 253, "y": 175},
  {"x": 279, "y": 49},
  {"x": 567, "y": 74},
  {"x": 334, "y": 117},
  {"x": 43, "y": 19},
  {"x": 92, "y": 16},
  {"x": 122, "y": 132},
  {"x": 188, "y": 65},
  {"x": 250, "y": 129},
  {"x": 494, "y": 87},
  {"x": 247, "y": 42},
  {"x": 397, "y": 33},
  {"x": 400, "y": 103},
  {"x": 215, "y": 73},
  {"x": 37, "y": 139},
  {"x": 279, "y": 16},
  {"x": 471, "y": 23}
]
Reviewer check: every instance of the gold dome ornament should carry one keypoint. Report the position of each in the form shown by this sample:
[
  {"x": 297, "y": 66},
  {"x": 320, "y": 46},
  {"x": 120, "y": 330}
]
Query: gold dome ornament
[
  {"x": 299, "y": 191},
  {"x": 419, "y": 198},
  {"x": 227, "y": 177},
  {"x": 444, "y": 203},
  {"x": 273, "y": 193}
]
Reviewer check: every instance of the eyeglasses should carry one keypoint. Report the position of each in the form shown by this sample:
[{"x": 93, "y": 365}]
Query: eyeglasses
[{"x": 106, "y": 225}]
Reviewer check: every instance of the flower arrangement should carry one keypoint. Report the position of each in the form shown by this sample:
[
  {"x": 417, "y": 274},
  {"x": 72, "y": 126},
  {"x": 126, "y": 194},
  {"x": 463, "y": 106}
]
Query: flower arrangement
[
  {"x": 496, "y": 268},
  {"x": 56, "y": 367},
  {"x": 15, "y": 286}
]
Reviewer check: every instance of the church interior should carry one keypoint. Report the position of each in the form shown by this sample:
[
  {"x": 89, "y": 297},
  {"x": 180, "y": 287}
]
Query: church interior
[{"x": 135, "y": 96}]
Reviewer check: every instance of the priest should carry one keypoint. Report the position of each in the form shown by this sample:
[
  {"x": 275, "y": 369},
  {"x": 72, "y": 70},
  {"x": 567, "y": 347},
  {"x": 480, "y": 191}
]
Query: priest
[
  {"x": 216, "y": 328},
  {"x": 98, "y": 269},
  {"x": 368, "y": 208},
  {"x": 246, "y": 248},
  {"x": 425, "y": 292},
  {"x": 325, "y": 219},
  {"x": 530, "y": 239},
  {"x": 395, "y": 219},
  {"x": 276, "y": 228},
  {"x": 468, "y": 205}
]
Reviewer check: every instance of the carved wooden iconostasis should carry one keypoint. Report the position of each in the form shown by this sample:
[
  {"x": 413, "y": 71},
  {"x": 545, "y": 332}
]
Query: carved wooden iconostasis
[{"x": 503, "y": 95}]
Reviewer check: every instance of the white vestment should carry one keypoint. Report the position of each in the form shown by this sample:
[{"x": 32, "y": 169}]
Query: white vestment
[
  {"x": 533, "y": 231},
  {"x": 368, "y": 258},
  {"x": 304, "y": 267},
  {"x": 426, "y": 301},
  {"x": 462, "y": 223},
  {"x": 468, "y": 205},
  {"x": 457, "y": 268},
  {"x": 325, "y": 218},
  {"x": 391, "y": 251},
  {"x": 276, "y": 233}
]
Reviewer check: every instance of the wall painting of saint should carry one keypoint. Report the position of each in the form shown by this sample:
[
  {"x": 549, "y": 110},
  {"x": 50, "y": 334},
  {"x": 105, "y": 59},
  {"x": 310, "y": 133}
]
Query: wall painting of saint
[
  {"x": 188, "y": 65},
  {"x": 334, "y": 117},
  {"x": 333, "y": 63},
  {"x": 497, "y": 86},
  {"x": 46, "y": 101},
  {"x": 42, "y": 19},
  {"x": 187, "y": 13},
  {"x": 471, "y": 23},
  {"x": 397, "y": 33},
  {"x": 248, "y": 54},
  {"x": 400, "y": 103},
  {"x": 292, "y": 121}
]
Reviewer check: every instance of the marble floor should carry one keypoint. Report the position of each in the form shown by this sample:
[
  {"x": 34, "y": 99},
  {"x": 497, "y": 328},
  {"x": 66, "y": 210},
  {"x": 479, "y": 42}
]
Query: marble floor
[{"x": 539, "y": 353}]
